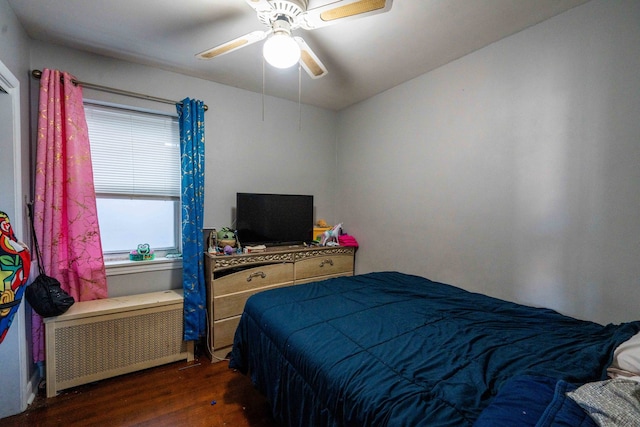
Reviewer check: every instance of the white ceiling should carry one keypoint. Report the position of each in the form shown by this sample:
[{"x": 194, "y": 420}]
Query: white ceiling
[{"x": 364, "y": 57}]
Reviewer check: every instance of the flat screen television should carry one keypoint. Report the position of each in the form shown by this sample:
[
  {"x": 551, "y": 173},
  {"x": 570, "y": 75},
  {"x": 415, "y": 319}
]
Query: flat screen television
[{"x": 274, "y": 219}]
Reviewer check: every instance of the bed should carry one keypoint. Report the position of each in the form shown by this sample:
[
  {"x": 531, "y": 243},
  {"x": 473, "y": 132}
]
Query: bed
[{"x": 391, "y": 349}]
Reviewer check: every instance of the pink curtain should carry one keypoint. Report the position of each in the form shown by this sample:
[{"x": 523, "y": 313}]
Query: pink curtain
[{"x": 65, "y": 215}]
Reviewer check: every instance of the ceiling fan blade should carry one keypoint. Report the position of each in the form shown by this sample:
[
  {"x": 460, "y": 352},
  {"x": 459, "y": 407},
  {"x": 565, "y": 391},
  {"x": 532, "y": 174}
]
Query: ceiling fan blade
[
  {"x": 342, "y": 11},
  {"x": 260, "y": 6},
  {"x": 234, "y": 44},
  {"x": 310, "y": 61}
]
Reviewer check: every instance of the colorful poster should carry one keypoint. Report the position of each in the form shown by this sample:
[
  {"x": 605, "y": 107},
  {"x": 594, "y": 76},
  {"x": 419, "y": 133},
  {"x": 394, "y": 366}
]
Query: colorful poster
[{"x": 15, "y": 263}]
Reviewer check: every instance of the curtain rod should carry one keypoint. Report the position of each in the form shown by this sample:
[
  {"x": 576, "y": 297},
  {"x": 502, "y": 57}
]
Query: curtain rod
[{"x": 38, "y": 74}]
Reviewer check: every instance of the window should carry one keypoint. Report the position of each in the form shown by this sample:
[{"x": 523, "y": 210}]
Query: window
[{"x": 136, "y": 172}]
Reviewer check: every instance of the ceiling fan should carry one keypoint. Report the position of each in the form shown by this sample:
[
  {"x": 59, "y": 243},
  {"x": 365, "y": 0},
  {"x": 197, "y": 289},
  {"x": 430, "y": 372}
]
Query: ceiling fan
[{"x": 283, "y": 50}]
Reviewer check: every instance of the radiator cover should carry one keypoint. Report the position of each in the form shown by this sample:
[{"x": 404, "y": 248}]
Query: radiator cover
[{"x": 114, "y": 336}]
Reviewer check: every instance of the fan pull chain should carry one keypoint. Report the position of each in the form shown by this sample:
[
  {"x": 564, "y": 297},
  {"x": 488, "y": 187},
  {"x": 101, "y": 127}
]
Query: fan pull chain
[
  {"x": 263, "y": 84},
  {"x": 299, "y": 97}
]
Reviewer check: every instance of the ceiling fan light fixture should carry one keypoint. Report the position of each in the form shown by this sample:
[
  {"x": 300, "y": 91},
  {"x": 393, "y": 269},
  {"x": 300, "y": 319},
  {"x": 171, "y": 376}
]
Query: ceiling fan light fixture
[{"x": 281, "y": 50}]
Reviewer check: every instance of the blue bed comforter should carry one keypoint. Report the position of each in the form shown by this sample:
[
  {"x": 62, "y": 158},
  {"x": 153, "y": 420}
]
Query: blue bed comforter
[{"x": 390, "y": 349}]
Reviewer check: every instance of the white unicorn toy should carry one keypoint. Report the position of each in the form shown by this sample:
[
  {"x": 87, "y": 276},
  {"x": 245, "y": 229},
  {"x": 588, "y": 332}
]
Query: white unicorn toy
[{"x": 330, "y": 237}]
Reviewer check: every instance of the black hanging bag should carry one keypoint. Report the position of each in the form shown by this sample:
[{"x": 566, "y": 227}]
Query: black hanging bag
[{"x": 45, "y": 295}]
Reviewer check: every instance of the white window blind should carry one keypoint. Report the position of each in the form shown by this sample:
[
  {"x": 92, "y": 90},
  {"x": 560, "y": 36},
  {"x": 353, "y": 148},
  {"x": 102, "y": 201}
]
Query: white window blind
[{"x": 134, "y": 154}]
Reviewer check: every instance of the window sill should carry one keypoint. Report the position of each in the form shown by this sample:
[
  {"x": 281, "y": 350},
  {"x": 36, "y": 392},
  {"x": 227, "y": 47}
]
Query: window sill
[{"x": 118, "y": 267}]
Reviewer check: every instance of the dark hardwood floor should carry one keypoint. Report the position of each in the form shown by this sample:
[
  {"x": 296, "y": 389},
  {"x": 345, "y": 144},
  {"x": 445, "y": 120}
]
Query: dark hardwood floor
[{"x": 179, "y": 394}]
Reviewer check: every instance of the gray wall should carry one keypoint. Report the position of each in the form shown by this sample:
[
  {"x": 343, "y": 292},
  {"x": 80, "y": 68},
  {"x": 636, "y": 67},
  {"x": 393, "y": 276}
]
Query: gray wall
[
  {"x": 513, "y": 171},
  {"x": 287, "y": 152}
]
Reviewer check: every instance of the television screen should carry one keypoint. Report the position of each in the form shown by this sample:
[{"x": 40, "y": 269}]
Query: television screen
[{"x": 274, "y": 219}]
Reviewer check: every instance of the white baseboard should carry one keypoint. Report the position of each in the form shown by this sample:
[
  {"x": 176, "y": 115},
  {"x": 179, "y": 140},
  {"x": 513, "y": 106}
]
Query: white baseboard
[{"x": 31, "y": 389}]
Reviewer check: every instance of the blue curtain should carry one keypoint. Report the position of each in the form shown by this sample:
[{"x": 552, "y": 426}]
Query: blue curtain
[{"x": 191, "y": 120}]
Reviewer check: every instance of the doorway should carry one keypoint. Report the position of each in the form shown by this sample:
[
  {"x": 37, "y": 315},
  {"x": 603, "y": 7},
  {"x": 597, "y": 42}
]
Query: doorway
[{"x": 16, "y": 388}]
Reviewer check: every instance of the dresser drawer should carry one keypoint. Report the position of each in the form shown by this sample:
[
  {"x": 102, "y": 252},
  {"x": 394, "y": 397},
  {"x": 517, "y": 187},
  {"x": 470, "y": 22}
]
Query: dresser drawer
[
  {"x": 223, "y": 331},
  {"x": 253, "y": 278},
  {"x": 233, "y": 304},
  {"x": 231, "y": 291},
  {"x": 320, "y": 266}
]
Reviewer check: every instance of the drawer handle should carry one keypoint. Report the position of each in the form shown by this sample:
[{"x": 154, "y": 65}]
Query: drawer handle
[
  {"x": 256, "y": 274},
  {"x": 326, "y": 261}
]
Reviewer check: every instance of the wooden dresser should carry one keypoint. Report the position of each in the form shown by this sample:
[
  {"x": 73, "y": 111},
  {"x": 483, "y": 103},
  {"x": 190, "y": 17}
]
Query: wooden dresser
[{"x": 231, "y": 279}]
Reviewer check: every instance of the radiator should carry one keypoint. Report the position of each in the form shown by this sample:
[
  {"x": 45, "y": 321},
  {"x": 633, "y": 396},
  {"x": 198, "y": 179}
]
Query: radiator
[{"x": 104, "y": 338}]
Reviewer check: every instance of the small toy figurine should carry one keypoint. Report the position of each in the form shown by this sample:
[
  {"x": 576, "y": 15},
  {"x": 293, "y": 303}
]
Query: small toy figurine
[
  {"x": 142, "y": 253},
  {"x": 330, "y": 237},
  {"x": 226, "y": 236},
  {"x": 212, "y": 242}
]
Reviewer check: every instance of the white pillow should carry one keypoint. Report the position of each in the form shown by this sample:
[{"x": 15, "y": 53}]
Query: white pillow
[{"x": 626, "y": 357}]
